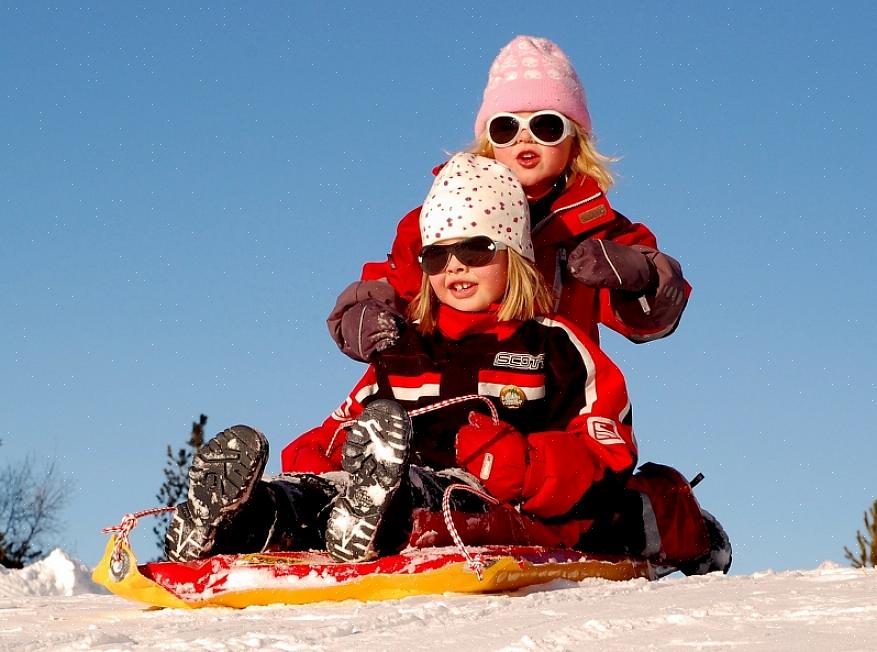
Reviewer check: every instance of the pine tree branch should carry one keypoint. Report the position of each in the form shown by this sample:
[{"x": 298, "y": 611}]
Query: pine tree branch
[
  {"x": 176, "y": 479},
  {"x": 866, "y": 541}
]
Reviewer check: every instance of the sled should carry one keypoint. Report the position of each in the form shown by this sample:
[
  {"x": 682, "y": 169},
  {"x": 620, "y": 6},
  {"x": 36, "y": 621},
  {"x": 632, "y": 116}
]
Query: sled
[{"x": 304, "y": 577}]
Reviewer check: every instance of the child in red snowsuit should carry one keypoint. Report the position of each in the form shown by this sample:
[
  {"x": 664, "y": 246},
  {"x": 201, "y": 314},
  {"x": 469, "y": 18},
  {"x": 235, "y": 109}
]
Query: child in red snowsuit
[
  {"x": 559, "y": 453},
  {"x": 564, "y": 429},
  {"x": 600, "y": 267}
]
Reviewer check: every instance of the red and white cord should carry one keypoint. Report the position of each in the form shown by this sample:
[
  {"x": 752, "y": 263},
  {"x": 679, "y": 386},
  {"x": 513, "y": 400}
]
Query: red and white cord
[
  {"x": 475, "y": 562},
  {"x": 123, "y": 529}
]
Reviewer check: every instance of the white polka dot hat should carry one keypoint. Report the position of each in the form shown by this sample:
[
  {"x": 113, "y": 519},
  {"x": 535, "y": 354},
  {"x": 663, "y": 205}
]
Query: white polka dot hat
[{"x": 473, "y": 195}]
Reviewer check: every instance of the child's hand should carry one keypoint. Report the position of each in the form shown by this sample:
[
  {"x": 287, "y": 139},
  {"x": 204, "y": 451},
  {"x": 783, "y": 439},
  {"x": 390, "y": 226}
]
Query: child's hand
[
  {"x": 607, "y": 264},
  {"x": 365, "y": 320},
  {"x": 369, "y": 327},
  {"x": 495, "y": 453}
]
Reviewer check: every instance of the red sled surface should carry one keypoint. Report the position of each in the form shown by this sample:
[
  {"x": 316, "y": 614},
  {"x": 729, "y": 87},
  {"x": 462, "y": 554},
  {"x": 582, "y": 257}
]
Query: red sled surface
[{"x": 303, "y": 577}]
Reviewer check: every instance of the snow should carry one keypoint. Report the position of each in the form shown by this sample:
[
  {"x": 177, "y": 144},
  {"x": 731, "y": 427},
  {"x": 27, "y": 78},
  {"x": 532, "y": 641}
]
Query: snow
[
  {"x": 57, "y": 574},
  {"x": 53, "y": 605}
]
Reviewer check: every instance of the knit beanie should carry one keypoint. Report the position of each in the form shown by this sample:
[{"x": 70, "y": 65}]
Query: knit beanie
[
  {"x": 473, "y": 195},
  {"x": 533, "y": 74}
]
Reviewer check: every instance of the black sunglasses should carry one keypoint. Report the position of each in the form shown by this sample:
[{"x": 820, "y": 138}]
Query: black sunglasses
[{"x": 472, "y": 252}]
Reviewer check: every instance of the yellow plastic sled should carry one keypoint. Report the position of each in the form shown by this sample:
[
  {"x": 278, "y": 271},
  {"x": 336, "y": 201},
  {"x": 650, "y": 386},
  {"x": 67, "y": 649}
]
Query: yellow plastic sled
[{"x": 302, "y": 577}]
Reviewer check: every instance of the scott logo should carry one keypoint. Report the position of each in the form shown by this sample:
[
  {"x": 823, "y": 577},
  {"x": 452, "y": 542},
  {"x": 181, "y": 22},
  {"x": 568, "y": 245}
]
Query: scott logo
[{"x": 519, "y": 360}]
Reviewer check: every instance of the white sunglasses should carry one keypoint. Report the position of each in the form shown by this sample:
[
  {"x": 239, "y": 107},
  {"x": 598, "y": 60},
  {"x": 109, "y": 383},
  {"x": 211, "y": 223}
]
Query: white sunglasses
[{"x": 546, "y": 127}]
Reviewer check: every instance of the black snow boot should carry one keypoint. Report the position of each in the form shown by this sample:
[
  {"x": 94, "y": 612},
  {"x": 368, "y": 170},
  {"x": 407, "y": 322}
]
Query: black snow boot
[
  {"x": 185, "y": 540},
  {"x": 222, "y": 478},
  {"x": 719, "y": 556},
  {"x": 376, "y": 456}
]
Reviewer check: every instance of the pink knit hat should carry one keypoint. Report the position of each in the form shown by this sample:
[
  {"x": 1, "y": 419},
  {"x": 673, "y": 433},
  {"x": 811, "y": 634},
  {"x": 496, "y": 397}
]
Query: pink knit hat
[
  {"x": 532, "y": 74},
  {"x": 473, "y": 195}
]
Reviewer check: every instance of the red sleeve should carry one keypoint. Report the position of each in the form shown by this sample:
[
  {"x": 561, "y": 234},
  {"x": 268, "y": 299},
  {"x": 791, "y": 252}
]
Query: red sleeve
[
  {"x": 401, "y": 268},
  {"x": 563, "y": 464},
  {"x": 319, "y": 450}
]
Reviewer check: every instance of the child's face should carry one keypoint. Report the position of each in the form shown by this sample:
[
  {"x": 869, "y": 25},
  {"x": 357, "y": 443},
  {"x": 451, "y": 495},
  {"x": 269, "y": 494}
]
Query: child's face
[
  {"x": 536, "y": 166},
  {"x": 471, "y": 289}
]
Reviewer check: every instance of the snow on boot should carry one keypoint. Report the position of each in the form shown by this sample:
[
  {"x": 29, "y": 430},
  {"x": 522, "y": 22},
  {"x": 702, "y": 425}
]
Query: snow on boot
[
  {"x": 223, "y": 474},
  {"x": 376, "y": 456},
  {"x": 719, "y": 556},
  {"x": 185, "y": 539}
]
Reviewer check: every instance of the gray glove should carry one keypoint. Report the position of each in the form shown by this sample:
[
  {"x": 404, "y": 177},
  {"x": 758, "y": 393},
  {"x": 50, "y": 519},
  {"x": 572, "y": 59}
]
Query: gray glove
[
  {"x": 366, "y": 319},
  {"x": 607, "y": 264}
]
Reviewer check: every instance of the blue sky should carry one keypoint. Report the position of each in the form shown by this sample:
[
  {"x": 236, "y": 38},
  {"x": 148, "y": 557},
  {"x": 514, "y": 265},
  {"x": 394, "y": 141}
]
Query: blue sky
[{"x": 186, "y": 189}]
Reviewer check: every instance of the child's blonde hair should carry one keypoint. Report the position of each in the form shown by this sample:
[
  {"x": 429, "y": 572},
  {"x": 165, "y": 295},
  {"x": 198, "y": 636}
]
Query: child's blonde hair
[
  {"x": 526, "y": 296},
  {"x": 585, "y": 159}
]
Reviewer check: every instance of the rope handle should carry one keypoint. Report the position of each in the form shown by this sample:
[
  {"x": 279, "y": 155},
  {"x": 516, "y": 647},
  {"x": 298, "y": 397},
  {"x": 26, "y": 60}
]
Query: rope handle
[
  {"x": 123, "y": 529},
  {"x": 475, "y": 563},
  {"x": 494, "y": 415}
]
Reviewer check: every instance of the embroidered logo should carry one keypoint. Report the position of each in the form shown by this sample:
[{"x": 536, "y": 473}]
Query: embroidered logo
[
  {"x": 512, "y": 397},
  {"x": 604, "y": 431},
  {"x": 519, "y": 360},
  {"x": 592, "y": 214}
]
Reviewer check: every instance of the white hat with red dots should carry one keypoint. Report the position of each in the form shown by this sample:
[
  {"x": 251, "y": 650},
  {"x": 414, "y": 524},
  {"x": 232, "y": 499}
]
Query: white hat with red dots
[{"x": 473, "y": 195}]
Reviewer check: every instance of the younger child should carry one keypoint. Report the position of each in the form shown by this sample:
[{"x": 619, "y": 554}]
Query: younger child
[
  {"x": 559, "y": 457},
  {"x": 600, "y": 267}
]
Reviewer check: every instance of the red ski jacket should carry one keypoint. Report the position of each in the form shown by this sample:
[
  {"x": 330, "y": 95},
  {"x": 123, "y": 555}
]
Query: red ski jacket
[
  {"x": 545, "y": 378},
  {"x": 581, "y": 211}
]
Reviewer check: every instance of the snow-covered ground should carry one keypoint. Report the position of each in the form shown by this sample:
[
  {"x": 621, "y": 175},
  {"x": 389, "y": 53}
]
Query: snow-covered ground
[{"x": 53, "y": 605}]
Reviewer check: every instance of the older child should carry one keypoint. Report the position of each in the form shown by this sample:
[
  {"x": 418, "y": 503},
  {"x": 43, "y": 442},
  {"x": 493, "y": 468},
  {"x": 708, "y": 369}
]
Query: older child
[
  {"x": 600, "y": 267},
  {"x": 560, "y": 454}
]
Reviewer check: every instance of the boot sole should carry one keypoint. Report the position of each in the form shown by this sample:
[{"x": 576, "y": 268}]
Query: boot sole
[
  {"x": 185, "y": 540},
  {"x": 376, "y": 456},
  {"x": 224, "y": 472}
]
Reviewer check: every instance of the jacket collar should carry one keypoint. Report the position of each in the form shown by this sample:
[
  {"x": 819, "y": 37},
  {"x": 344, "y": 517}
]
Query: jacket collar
[
  {"x": 581, "y": 208},
  {"x": 456, "y": 324}
]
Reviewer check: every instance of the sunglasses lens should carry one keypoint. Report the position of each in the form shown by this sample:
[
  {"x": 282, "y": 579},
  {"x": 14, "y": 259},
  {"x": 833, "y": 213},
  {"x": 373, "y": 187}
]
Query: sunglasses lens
[
  {"x": 547, "y": 127},
  {"x": 503, "y": 129},
  {"x": 475, "y": 252},
  {"x": 433, "y": 258},
  {"x": 472, "y": 252}
]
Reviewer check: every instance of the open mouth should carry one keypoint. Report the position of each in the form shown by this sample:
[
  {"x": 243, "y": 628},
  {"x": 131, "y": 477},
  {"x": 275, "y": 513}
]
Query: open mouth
[
  {"x": 463, "y": 289},
  {"x": 527, "y": 159}
]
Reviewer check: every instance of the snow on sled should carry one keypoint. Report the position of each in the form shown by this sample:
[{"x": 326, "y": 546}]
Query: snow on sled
[{"x": 303, "y": 577}]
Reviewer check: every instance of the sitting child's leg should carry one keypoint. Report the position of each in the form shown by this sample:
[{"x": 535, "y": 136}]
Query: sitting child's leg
[
  {"x": 230, "y": 509},
  {"x": 376, "y": 456},
  {"x": 304, "y": 501},
  {"x": 656, "y": 516},
  {"x": 223, "y": 475}
]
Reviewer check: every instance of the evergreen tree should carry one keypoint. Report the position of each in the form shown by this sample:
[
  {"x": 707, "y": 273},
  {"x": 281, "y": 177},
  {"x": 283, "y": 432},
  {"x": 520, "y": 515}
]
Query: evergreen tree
[
  {"x": 176, "y": 478},
  {"x": 866, "y": 542}
]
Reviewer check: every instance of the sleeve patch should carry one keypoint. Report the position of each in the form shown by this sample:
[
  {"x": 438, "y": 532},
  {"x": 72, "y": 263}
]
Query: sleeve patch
[
  {"x": 604, "y": 431},
  {"x": 592, "y": 214}
]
